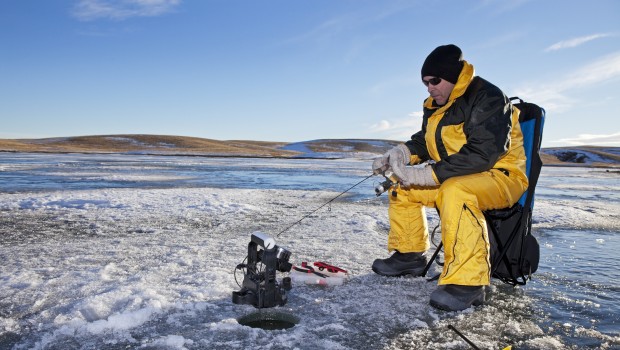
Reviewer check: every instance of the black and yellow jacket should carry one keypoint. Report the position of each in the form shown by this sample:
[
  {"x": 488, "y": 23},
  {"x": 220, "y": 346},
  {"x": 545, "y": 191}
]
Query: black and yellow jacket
[{"x": 476, "y": 130}]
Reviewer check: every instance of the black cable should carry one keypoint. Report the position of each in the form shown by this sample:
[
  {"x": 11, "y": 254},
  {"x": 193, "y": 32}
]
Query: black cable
[
  {"x": 238, "y": 268},
  {"x": 433, "y": 235}
]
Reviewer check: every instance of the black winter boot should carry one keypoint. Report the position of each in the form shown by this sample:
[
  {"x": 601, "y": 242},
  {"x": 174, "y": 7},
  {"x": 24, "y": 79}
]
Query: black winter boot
[
  {"x": 400, "y": 264},
  {"x": 452, "y": 297}
]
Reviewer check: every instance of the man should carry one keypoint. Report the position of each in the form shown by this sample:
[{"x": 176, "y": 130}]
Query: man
[{"x": 472, "y": 149}]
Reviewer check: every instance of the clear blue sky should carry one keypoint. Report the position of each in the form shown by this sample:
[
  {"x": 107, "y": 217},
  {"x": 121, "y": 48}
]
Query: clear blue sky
[{"x": 296, "y": 70}]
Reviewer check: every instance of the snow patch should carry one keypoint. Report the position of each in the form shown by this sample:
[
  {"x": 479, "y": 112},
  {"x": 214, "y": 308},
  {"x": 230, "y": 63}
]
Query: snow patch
[{"x": 171, "y": 342}]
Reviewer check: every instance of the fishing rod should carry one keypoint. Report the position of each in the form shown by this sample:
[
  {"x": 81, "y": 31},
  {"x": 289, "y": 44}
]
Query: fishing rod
[{"x": 326, "y": 203}]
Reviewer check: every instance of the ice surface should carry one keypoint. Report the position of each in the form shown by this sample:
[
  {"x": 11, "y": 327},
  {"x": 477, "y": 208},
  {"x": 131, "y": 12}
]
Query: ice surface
[{"x": 153, "y": 268}]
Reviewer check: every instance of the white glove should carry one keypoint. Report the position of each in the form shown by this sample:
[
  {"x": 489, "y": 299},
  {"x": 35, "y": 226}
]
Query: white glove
[
  {"x": 397, "y": 156},
  {"x": 415, "y": 176}
]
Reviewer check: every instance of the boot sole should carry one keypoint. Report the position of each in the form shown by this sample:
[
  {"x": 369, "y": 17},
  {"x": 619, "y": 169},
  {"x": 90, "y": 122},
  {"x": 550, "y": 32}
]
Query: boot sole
[
  {"x": 446, "y": 308},
  {"x": 412, "y": 273}
]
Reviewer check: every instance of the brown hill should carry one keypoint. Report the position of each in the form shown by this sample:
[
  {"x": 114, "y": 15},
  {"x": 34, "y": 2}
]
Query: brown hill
[
  {"x": 147, "y": 144},
  {"x": 582, "y": 156},
  {"x": 329, "y": 148}
]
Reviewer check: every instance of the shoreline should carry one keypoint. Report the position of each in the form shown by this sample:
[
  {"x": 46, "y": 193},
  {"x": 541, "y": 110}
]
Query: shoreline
[
  {"x": 596, "y": 165},
  {"x": 181, "y": 155}
]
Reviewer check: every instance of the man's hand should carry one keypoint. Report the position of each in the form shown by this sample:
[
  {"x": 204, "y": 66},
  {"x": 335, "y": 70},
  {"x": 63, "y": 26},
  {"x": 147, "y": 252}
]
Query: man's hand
[
  {"x": 415, "y": 176},
  {"x": 397, "y": 156}
]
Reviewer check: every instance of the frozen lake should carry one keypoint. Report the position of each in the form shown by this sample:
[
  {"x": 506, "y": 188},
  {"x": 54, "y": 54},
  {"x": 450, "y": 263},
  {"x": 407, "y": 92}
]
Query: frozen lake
[{"x": 138, "y": 252}]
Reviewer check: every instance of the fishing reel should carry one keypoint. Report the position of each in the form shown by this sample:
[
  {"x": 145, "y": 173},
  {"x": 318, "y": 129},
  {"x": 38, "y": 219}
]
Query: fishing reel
[
  {"x": 260, "y": 287},
  {"x": 389, "y": 182}
]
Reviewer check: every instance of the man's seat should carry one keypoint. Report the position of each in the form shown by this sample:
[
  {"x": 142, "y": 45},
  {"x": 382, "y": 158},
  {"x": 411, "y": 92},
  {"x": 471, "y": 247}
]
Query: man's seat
[{"x": 514, "y": 251}]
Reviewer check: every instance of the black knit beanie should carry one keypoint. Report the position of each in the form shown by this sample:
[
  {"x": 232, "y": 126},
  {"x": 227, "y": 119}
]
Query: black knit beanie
[{"x": 445, "y": 62}]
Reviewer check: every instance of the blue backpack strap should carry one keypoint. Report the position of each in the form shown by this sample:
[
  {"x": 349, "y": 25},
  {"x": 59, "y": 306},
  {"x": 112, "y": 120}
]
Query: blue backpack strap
[{"x": 532, "y": 121}]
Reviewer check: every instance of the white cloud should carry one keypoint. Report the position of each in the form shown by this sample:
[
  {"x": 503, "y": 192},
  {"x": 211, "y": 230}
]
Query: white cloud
[
  {"x": 553, "y": 96},
  {"x": 606, "y": 68},
  {"x": 574, "y": 42},
  {"x": 398, "y": 129},
  {"x": 88, "y": 10},
  {"x": 591, "y": 139},
  {"x": 345, "y": 24},
  {"x": 381, "y": 126},
  {"x": 549, "y": 97}
]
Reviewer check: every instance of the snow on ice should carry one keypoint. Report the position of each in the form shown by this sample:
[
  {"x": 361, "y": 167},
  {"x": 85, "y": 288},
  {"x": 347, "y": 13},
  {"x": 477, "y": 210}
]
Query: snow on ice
[{"x": 154, "y": 269}]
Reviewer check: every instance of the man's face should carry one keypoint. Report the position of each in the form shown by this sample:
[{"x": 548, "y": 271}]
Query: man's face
[{"x": 438, "y": 88}]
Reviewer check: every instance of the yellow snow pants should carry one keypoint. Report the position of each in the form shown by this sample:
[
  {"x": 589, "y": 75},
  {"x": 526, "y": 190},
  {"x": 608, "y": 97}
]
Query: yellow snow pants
[{"x": 460, "y": 201}]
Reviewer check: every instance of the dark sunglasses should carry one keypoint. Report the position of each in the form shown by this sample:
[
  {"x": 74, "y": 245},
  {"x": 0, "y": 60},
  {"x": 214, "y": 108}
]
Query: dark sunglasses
[{"x": 432, "y": 81}]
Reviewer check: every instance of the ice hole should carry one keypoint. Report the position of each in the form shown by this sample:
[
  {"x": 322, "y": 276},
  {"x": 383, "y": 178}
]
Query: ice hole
[{"x": 269, "y": 320}]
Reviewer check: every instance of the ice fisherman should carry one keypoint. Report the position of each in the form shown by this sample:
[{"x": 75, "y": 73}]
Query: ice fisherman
[{"x": 470, "y": 159}]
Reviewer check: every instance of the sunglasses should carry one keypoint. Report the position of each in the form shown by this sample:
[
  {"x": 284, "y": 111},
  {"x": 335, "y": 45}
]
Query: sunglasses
[{"x": 432, "y": 81}]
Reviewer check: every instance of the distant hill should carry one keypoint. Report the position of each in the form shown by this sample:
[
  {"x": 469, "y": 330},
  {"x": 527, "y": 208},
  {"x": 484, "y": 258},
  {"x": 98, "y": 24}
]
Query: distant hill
[
  {"x": 326, "y": 148},
  {"x": 582, "y": 155},
  {"x": 147, "y": 144}
]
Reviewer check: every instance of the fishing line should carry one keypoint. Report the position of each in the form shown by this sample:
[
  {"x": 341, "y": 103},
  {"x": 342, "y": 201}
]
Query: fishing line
[{"x": 326, "y": 203}]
